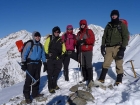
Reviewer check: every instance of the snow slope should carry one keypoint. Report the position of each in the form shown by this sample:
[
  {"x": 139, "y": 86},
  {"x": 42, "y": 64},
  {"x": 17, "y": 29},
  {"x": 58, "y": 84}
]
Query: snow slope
[{"x": 125, "y": 94}]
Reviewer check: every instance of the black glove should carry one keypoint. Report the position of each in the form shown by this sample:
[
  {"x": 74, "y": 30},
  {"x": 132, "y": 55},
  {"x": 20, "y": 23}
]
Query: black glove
[
  {"x": 48, "y": 56},
  {"x": 103, "y": 52},
  {"x": 61, "y": 56},
  {"x": 45, "y": 66},
  {"x": 120, "y": 53},
  {"x": 24, "y": 66},
  {"x": 79, "y": 42}
]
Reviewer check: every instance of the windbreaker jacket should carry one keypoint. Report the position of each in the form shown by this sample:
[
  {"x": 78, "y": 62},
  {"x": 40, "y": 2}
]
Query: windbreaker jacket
[
  {"x": 56, "y": 47},
  {"x": 112, "y": 36},
  {"x": 69, "y": 41},
  {"x": 36, "y": 53},
  {"x": 88, "y": 36}
]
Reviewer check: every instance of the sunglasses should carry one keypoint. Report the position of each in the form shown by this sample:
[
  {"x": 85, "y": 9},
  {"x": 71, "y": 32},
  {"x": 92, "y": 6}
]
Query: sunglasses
[
  {"x": 82, "y": 24},
  {"x": 69, "y": 28},
  {"x": 56, "y": 32},
  {"x": 37, "y": 36}
]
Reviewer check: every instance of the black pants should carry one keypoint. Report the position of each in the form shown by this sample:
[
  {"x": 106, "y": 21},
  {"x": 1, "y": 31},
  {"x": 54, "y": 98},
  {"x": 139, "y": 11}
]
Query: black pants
[
  {"x": 66, "y": 62},
  {"x": 34, "y": 70},
  {"x": 53, "y": 69},
  {"x": 86, "y": 63}
]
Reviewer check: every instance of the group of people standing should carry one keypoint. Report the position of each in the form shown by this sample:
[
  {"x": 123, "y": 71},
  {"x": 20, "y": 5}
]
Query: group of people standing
[{"x": 58, "y": 50}]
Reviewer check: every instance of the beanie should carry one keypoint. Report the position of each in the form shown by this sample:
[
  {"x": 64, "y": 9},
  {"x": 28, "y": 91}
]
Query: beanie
[{"x": 114, "y": 12}]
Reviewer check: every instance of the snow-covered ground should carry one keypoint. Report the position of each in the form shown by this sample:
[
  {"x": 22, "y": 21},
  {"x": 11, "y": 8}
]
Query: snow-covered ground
[{"x": 128, "y": 93}]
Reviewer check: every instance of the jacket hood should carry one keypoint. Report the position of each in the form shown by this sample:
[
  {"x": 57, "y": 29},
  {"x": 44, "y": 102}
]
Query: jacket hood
[
  {"x": 83, "y": 22},
  {"x": 71, "y": 27}
]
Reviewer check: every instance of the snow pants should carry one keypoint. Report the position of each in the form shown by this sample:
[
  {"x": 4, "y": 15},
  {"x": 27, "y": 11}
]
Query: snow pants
[
  {"x": 86, "y": 63},
  {"x": 66, "y": 62},
  {"x": 111, "y": 53},
  {"x": 53, "y": 69},
  {"x": 34, "y": 70}
]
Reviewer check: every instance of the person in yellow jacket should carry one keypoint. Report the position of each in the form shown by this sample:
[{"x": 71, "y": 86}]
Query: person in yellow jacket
[{"x": 55, "y": 51}]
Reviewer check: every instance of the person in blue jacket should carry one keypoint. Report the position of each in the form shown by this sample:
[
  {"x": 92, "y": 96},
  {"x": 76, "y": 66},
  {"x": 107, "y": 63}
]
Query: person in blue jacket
[{"x": 32, "y": 54}]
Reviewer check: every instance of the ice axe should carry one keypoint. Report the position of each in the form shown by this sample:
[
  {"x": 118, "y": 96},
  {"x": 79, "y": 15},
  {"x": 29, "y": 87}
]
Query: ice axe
[
  {"x": 131, "y": 61},
  {"x": 34, "y": 81}
]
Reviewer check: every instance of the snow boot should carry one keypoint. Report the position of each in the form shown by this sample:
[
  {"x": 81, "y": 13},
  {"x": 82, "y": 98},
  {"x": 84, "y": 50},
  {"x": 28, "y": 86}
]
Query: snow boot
[
  {"x": 52, "y": 91},
  {"x": 103, "y": 75},
  {"x": 57, "y": 87},
  {"x": 119, "y": 79},
  {"x": 84, "y": 73},
  {"x": 28, "y": 101},
  {"x": 66, "y": 72},
  {"x": 90, "y": 74}
]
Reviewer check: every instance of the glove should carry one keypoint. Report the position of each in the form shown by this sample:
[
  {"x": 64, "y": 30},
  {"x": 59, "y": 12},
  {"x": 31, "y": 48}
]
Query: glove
[
  {"x": 103, "y": 52},
  {"x": 82, "y": 41},
  {"x": 61, "y": 56},
  {"x": 45, "y": 66},
  {"x": 120, "y": 53},
  {"x": 48, "y": 56},
  {"x": 24, "y": 66}
]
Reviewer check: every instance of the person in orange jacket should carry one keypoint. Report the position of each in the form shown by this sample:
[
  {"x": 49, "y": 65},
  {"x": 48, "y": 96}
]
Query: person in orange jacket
[{"x": 85, "y": 40}]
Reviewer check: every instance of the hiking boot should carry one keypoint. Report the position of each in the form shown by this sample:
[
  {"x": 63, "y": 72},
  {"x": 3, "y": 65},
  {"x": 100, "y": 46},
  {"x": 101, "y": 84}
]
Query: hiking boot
[
  {"x": 38, "y": 95},
  {"x": 117, "y": 83},
  {"x": 102, "y": 81},
  {"x": 103, "y": 75},
  {"x": 119, "y": 79},
  {"x": 57, "y": 88},
  {"x": 83, "y": 81},
  {"x": 52, "y": 91},
  {"x": 28, "y": 101}
]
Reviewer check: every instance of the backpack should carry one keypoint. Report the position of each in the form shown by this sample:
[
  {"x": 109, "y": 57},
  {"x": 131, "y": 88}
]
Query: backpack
[
  {"x": 119, "y": 25},
  {"x": 32, "y": 44}
]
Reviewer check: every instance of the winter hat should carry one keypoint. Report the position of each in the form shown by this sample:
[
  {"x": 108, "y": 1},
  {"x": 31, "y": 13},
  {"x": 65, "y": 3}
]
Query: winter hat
[
  {"x": 37, "y": 34},
  {"x": 114, "y": 12},
  {"x": 69, "y": 26},
  {"x": 56, "y": 29}
]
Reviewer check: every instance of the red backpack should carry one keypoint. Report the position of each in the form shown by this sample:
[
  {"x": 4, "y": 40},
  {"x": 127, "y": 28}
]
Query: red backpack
[{"x": 126, "y": 23}]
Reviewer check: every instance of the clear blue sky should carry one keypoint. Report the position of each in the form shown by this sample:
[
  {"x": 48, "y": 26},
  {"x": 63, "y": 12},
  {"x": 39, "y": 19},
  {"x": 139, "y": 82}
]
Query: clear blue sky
[{"x": 43, "y": 15}]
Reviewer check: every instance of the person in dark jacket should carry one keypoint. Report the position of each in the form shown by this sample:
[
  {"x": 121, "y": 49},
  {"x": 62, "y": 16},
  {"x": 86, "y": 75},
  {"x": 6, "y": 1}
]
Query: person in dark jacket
[
  {"x": 55, "y": 50},
  {"x": 113, "y": 46},
  {"x": 31, "y": 61},
  {"x": 84, "y": 40},
  {"x": 69, "y": 39}
]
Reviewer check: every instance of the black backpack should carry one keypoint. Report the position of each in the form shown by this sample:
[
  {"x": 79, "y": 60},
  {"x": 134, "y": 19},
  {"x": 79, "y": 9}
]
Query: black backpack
[{"x": 32, "y": 44}]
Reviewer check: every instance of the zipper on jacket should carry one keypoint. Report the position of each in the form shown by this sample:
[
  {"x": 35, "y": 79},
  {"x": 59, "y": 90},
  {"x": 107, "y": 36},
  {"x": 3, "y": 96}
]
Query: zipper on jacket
[
  {"x": 69, "y": 40},
  {"x": 111, "y": 33},
  {"x": 37, "y": 47}
]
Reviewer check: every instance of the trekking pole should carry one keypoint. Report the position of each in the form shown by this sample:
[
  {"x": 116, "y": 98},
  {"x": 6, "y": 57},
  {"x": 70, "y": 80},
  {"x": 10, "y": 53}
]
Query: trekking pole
[
  {"x": 81, "y": 63},
  {"x": 81, "y": 67},
  {"x": 35, "y": 81}
]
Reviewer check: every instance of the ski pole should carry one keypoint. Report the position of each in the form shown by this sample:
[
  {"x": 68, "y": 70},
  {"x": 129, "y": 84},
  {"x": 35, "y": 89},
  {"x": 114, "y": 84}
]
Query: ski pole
[{"x": 81, "y": 63}]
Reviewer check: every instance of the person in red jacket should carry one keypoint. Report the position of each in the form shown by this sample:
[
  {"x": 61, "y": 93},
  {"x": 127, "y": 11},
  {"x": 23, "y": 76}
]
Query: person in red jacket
[{"x": 85, "y": 40}]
